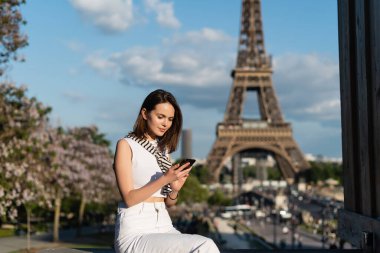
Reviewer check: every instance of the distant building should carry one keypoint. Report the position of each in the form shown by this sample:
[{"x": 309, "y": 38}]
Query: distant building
[
  {"x": 268, "y": 161},
  {"x": 321, "y": 158}
]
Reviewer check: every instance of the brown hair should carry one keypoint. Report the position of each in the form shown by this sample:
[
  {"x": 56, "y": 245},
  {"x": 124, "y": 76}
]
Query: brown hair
[{"x": 170, "y": 139}]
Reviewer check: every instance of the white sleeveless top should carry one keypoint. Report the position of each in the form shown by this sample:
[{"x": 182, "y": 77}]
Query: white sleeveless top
[{"x": 145, "y": 168}]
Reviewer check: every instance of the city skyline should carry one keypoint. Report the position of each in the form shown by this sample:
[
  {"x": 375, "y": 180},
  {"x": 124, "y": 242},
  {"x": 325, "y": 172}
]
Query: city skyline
[{"x": 94, "y": 64}]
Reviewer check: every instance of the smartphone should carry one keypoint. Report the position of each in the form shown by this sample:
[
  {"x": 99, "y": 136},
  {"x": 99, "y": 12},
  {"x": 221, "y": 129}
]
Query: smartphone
[{"x": 187, "y": 160}]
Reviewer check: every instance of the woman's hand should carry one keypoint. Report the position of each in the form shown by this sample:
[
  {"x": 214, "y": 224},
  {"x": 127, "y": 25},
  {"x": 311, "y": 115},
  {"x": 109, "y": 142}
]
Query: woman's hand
[{"x": 177, "y": 176}]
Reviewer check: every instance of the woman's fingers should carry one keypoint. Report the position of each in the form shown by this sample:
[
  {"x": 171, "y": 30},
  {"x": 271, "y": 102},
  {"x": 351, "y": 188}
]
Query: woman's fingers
[
  {"x": 184, "y": 166},
  {"x": 177, "y": 172},
  {"x": 184, "y": 172},
  {"x": 176, "y": 166}
]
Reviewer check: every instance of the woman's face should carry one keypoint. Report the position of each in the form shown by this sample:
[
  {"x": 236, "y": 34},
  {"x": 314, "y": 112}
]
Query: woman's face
[{"x": 159, "y": 120}]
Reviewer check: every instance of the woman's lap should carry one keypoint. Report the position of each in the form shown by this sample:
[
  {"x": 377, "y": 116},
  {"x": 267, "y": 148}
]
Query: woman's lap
[
  {"x": 179, "y": 243},
  {"x": 148, "y": 228}
]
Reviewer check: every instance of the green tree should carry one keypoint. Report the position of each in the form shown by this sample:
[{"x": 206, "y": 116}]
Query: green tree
[
  {"x": 218, "y": 198},
  {"x": 274, "y": 173},
  {"x": 249, "y": 171},
  {"x": 22, "y": 152},
  {"x": 321, "y": 171},
  {"x": 11, "y": 38},
  {"x": 193, "y": 192},
  {"x": 94, "y": 156},
  {"x": 79, "y": 167},
  {"x": 202, "y": 173}
]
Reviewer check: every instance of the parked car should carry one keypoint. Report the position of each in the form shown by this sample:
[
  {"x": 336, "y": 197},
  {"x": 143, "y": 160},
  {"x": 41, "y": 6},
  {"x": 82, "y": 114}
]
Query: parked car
[{"x": 285, "y": 230}]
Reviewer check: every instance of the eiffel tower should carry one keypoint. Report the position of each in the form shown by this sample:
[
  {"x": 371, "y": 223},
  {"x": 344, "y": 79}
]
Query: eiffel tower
[{"x": 270, "y": 133}]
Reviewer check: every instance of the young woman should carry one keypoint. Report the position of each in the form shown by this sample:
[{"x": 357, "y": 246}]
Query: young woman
[{"x": 148, "y": 183}]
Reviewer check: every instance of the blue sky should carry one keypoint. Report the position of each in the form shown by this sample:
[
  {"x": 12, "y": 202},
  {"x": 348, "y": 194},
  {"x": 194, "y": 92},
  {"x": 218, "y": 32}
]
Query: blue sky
[{"x": 94, "y": 61}]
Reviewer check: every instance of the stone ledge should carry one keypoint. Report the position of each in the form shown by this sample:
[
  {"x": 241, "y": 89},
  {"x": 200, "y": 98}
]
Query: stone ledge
[
  {"x": 109, "y": 250},
  {"x": 82, "y": 250}
]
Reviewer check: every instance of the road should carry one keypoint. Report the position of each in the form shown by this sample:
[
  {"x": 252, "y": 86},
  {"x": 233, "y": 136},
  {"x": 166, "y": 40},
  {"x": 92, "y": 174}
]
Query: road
[
  {"x": 233, "y": 240},
  {"x": 14, "y": 243},
  {"x": 266, "y": 230}
]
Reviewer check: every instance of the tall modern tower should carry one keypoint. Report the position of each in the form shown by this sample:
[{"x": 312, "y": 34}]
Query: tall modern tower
[{"x": 186, "y": 149}]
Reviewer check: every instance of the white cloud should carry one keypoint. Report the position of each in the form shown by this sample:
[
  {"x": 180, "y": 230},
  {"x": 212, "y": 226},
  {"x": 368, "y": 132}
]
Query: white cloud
[
  {"x": 308, "y": 86},
  {"x": 174, "y": 69},
  {"x": 318, "y": 138},
  {"x": 74, "y": 46},
  {"x": 313, "y": 69},
  {"x": 182, "y": 62},
  {"x": 103, "y": 66},
  {"x": 110, "y": 15},
  {"x": 164, "y": 13},
  {"x": 329, "y": 109},
  {"x": 172, "y": 64},
  {"x": 204, "y": 35},
  {"x": 74, "y": 97}
]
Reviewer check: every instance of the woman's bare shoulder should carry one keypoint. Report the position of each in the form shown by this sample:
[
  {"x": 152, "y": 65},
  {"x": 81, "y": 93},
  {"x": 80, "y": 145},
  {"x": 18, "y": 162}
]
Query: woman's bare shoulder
[{"x": 122, "y": 144}]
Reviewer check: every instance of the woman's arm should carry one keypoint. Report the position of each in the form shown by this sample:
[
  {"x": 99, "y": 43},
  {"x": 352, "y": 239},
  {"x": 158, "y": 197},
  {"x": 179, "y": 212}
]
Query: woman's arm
[
  {"x": 123, "y": 173},
  {"x": 177, "y": 185},
  {"x": 172, "y": 198}
]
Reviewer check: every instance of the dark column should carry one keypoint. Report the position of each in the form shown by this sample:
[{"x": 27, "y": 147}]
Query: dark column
[
  {"x": 236, "y": 174},
  {"x": 359, "y": 56}
]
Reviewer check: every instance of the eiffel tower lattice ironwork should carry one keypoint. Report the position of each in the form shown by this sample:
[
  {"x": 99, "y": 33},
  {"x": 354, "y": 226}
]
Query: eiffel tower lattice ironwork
[{"x": 270, "y": 133}]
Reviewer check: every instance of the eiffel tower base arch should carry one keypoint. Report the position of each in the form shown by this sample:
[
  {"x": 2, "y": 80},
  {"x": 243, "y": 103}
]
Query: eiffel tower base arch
[{"x": 229, "y": 144}]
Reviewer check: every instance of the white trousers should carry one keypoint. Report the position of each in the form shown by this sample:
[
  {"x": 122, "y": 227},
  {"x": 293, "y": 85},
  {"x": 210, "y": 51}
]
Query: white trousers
[{"x": 147, "y": 228}]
